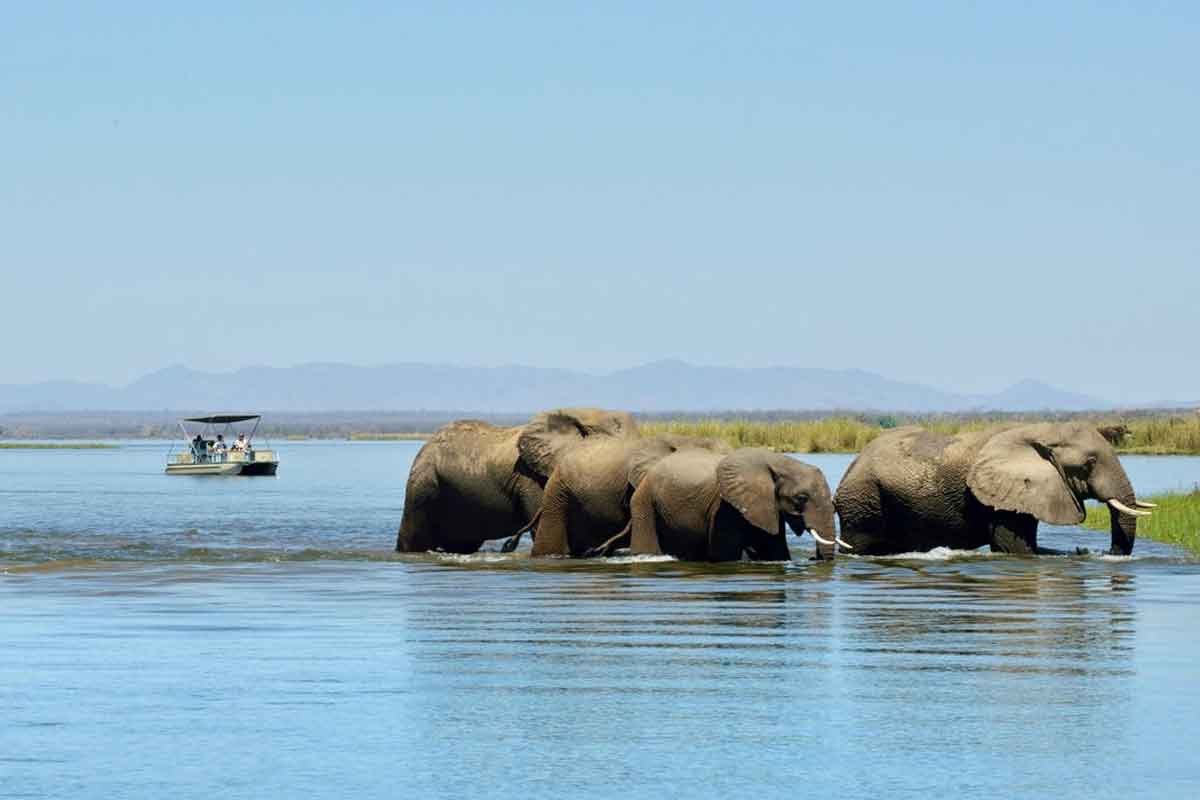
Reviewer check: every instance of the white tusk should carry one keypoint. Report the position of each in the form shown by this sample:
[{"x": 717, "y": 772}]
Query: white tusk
[
  {"x": 817, "y": 536},
  {"x": 1141, "y": 504},
  {"x": 1124, "y": 509},
  {"x": 844, "y": 543}
]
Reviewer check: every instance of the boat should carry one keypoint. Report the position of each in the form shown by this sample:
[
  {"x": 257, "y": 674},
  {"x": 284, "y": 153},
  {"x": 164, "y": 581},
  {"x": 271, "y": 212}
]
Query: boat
[{"x": 207, "y": 451}]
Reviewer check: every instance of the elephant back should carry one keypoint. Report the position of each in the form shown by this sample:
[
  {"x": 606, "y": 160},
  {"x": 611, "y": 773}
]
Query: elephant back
[
  {"x": 468, "y": 449},
  {"x": 687, "y": 471},
  {"x": 549, "y": 434},
  {"x": 683, "y": 441},
  {"x": 467, "y": 429},
  {"x": 644, "y": 456},
  {"x": 652, "y": 450}
]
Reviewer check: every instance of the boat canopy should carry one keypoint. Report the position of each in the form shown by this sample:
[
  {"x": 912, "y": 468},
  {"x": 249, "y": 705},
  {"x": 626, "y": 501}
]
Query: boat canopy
[{"x": 222, "y": 419}]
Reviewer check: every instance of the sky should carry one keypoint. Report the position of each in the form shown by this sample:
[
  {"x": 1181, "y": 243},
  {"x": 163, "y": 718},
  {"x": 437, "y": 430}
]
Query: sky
[{"x": 963, "y": 195}]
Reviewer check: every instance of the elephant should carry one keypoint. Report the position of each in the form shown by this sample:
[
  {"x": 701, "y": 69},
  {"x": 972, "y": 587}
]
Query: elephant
[
  {"x": 912, "y": 489},
  {"x": 704, "y": 506},
  {"x": 587, "y": 496},
  {"x": 473, "y": 481}
]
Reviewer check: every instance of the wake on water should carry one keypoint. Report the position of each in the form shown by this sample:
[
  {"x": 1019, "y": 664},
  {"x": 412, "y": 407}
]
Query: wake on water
[{"x": 24, "y": 548}]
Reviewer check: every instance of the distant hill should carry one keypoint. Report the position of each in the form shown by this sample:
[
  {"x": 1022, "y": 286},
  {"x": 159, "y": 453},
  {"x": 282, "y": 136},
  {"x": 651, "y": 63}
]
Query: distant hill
[
  {"x": 1031, "y": 395},
  {"x": 657, "y": 387}
]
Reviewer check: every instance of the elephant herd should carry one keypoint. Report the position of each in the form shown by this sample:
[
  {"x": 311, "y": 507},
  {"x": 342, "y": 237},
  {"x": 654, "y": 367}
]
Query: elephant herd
[{"x": 584, "y": 482}]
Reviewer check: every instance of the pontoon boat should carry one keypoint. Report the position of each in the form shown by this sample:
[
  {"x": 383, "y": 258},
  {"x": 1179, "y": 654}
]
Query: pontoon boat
[{"x": 208, "y": 452}]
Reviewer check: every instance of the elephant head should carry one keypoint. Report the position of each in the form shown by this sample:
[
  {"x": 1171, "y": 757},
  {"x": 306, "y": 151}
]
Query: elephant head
[
  {"x": 769, "y": 488},
  {"x": 548, "y": 434},
  {"x": 1048, "y": 470}
]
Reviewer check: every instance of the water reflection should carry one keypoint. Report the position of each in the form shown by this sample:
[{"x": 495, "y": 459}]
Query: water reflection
[
  {"x": 1024, "y": 616},
  {"x": 987, "y": 674}
]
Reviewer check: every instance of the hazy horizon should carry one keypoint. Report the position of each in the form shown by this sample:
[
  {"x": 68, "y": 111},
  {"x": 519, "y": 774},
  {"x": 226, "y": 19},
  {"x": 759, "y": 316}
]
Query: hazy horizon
[
  {"x": 230, "y": 370},
  {"x": 661, "y": 386},
  {"x": 963, "y": 197},
  {"x": 1149, "y": 400}
]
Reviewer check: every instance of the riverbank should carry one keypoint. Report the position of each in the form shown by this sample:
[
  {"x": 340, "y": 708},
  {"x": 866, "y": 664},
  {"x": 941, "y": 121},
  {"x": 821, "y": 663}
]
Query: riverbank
[
  {"x": 1145, "y": 432},
  {"x": 1152, "y": 435},
  {"x": 1176, "y": 520},
  {"x": 57, "y": 445}
]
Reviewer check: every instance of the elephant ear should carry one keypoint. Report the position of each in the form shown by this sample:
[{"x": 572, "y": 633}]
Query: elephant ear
[
  {"x": 746, "y": 481},
  {"x": 551, "y": 432},
  {"x": 1014, "y": 472}
]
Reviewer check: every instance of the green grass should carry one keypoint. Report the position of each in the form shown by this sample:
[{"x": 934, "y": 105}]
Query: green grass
[
  {"x": 1166, "y": 435},
  {"x": 830, "y": 435},
  {"x": 57, "y": 446},
  {"x": 1179, "y": 435},
  {"x": 834, "y": 435},
  {"x": 1176, "y": 520}
]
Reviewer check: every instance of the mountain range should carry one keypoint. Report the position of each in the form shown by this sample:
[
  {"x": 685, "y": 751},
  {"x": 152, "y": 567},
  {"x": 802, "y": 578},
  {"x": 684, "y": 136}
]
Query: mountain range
[{"x": 661, "y": 386}]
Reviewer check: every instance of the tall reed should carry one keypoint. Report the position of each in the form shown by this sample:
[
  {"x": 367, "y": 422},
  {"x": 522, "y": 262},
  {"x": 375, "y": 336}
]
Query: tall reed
[{"x": 1176, "y": 434}]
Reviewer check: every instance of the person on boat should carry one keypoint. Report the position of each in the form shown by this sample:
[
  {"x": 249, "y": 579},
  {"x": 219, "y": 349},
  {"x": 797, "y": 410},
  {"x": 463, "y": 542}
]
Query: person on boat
[
  {"x": 198, "y": 445},
  {"x": 240, "y": 445},
  {"x": 219, "y": 447}
]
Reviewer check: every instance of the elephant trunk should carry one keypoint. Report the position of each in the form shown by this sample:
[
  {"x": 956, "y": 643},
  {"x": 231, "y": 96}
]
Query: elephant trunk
[
  {"x": 824, "y": 531},
  {"x": 1118, "y": 494},
  {"x": 1124, "y": 531}
]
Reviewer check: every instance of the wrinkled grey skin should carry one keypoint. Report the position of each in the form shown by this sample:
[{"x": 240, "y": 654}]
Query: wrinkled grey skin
[
  {"x": 473, "y": 481},
  {"x": 913, "y": 490},
  {"x": 586, "y": 500},
  {"x": 703, "y": 506}
]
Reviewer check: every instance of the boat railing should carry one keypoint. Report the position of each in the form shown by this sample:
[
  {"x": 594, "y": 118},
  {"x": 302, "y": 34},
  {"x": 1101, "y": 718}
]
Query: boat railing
[{"x": 246, "y": 456}]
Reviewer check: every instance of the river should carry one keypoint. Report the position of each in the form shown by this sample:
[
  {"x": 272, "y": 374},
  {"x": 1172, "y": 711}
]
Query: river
[{"x": 256, "y": 637}]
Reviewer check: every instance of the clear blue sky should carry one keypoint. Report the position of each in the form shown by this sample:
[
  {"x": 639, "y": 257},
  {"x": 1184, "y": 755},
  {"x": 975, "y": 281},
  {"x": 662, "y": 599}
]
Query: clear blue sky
[{"x": 959, "y": 194}]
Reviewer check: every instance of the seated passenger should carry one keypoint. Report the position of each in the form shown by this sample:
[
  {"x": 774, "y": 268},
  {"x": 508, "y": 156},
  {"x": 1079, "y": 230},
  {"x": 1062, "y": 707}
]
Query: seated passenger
[
  {"x": 240, "y": 444},
  {"x": 219, "y": 447}
]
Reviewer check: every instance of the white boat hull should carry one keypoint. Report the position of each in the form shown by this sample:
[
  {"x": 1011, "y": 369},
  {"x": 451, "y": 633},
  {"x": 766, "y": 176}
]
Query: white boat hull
[
  {"x": 256, "y": 467},
  {"x": 204, "y": 469}
]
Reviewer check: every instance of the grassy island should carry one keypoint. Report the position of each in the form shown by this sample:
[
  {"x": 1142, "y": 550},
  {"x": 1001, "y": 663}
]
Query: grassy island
[
  {"x": 1176, "y": 520},
  {"x": 58, "y": 446},
  {"x": 1157, "y": 435}
]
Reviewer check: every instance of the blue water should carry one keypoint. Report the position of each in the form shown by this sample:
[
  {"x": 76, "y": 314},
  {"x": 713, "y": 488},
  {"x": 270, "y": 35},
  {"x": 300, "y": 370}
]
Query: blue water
[{"x": 229, "y": 637}]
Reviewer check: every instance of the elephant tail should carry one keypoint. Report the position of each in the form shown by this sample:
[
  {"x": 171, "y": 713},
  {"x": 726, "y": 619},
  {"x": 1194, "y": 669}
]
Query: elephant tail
[
  {"x": 606, "y": 549},
  {"x": 511, "y": 543}
]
